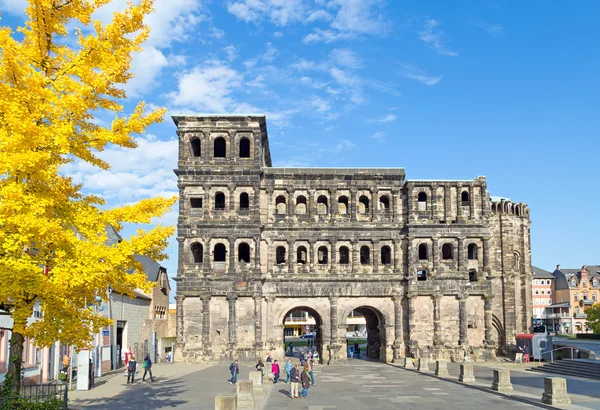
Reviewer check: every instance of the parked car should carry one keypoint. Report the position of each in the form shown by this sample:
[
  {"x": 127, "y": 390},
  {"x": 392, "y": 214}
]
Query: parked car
[{"x": 308, "y": 336}]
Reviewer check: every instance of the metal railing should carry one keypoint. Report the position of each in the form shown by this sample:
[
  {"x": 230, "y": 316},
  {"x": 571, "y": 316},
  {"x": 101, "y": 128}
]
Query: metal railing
[
  {"x": 37, "y": 393},
  {"x": 560, "y": 348}
]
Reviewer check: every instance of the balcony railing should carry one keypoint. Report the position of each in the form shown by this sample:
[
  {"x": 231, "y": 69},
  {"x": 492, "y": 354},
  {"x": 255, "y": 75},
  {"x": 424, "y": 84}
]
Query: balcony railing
[
  {"x": 580, "y": 316},
  {"x": 557, "y": 315},
  {"x": 587, "y": 302}
]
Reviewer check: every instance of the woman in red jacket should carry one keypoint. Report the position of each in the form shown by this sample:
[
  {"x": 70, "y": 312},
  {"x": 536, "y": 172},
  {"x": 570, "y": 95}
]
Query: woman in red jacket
[{"x": 275, "y": 370}]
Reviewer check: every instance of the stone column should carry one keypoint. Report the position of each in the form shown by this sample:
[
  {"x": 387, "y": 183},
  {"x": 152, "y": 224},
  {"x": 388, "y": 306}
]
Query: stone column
[
  {"x": 231, "y": 255},
  {"x": 290, "y": 256},
  {"x": 394, "y": 206},
  {"x": 232, "y": 323},
  {"x": 311, "y": 254},
  {"x": 486, "y": 256},
  {"x": 410, "y": 205},
  {"x": 396, "y": 255},
  {"x": 255, "y": 204},
  {"x": 231, "y": 152},
  {"x": 447, "y": 204},
  {"x": 312, "y": 204},
  {"x": 484, "y": 203},
  {"x": 334, "y": 345},
  {"x": 353, "y": 201},
  {"x": 206, "y": 257},
  {"x": 179, "y": 319},
  {"x": 398, "y": 333},
  {"x": 334, "y": 259},
  {"x": 376, "y": 256},
  {"x": 271, "y": 209},
  {"x": 258, "y": 343},
  {"x": 411, "y": 302},
  {"x": 462, "y": 319},
  {"x": 472, "y": 203},
  {"x": 289, "y": 204},
  {"x": 333, "y": 203},
  {"x": 435, "y": 254},
  {"x": 206, "y": 201},
  {"x": 354, "y": 255},
  {"x": 270, "y": 322},
  {"x": 459, "y": 210},
  {"x": 437, "y": 319},
  {"x": 487, "y": 318},
  {"x": 205, "y": 298},
  {"x": 461, "y": 255},
  {"x": 375, "y": 204},
  {"x": 232, "y": 201}
]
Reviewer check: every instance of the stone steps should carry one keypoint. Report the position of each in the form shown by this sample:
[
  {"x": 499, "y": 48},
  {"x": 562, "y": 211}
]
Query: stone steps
[{"x": 579, "y": 368}]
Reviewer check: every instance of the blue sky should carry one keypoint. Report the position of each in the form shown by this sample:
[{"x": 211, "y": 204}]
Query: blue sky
[{"x": 447, "y": 90}]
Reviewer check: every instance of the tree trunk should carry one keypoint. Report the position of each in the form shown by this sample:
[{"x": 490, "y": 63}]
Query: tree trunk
[{"x": 15, "y": 363}]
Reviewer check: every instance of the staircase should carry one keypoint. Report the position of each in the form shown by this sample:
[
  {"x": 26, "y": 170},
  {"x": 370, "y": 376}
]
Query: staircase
[{"x": 572, "y": 367}]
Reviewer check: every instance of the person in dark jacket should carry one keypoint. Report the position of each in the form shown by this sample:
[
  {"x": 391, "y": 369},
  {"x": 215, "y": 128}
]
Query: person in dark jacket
[
  {"x": 305, "y": 380},
  {"x": 147, "y": 368},
  {"x": 131, "y": 368},
  {"x": 234, "y": 369},
  {"x": 294, "y": 380},
  {"x": 260, "y": 366}
]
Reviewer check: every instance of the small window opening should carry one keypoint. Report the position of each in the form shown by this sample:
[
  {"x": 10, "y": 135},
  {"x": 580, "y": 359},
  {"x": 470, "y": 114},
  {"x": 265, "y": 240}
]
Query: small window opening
[
  {"x": 421, "y": 275},
  {"x": 244, "y": 201},
  {"x": 323, "y": 255},
  {"x": 197, "y": 252},
  {"x": 220, "y": 201},
  {"x": 344, "y": 255},
  {"x": 472, "y": 252},
  {"x": 423, "y": 251},
  {"x": 301, "y": 255},
  {"x": 244, "y": 252},
  {"x": 220, "y": 252},
  {"x": 280, "y": 255},
  {"x": 343, "y": 205},
  {"x": 447, "y": 251},
  {"x": 196, "y": 203},
  {"x": 322, "y": 207},
  {"x": 301, "y": 205},
  {"x": 472, "y": 276},
  {"x": 281, "y": 205},
  {"x": 365, "y": 255},
  {"x": 244, "y": 148},
  {"x": 386, "y": 255},
  {"x": 220, "y": 148},
  {"x": 576, "y": 296},
  {"x": 464, "y": 198},
  {"x": 363, "y": 205},
  {"x": 422, "y": 201},
  {"x": 384, "y": 204},
  {"x": 196, "y": 151}
]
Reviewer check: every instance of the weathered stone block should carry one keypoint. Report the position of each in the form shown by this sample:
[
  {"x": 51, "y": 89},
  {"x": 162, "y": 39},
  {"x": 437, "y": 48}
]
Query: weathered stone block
[
  {"x": 245, "y": 394},
  {"x": 408, "y": 363},
  {"x": 466, "y": 373},
  {"x": 226, "y": 401},
  {"x": 502, "y": 382},
  {"x": 441, "y": 368},
  {"x": 555, "y": 391},
  {"x": 257, "y": 381},
  {"x": 424, "y": 365}
]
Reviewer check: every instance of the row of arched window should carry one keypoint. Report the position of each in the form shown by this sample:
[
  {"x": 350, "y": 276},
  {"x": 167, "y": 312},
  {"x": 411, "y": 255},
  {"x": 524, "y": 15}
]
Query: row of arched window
[
  {"x": 219, "y": 202},
  {"x": 448, "y": 251},
  {"x": 509, "y": 208},
  {"x": 422, "y": 200},
  {"x": 220, "y": 147},
  {"x": 584, "y": 296},
  {"x": 301, "y": 208}
]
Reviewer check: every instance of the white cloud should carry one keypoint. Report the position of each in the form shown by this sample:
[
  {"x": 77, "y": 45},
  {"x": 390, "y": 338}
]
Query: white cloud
[
  {"x": 384, "y": 119},
  {"x": 434, "y": 37},
  {"x": 15, "y": 7},
  {"x": 379, "y": 136},
  {"x": 344, "y": 57},
  {"x": 343, "y": 145},
  {"x": 270, "y": 54},
  {"x": 231, "y": 52},
  {"x": 320, "y": 105},
  {"x": 415, "y": 74},
  {"x": 495, "y": 30},
  {"x": 258, "y": 82},
  {"x": 278, "y": 34},
  {"x": 279, "y": 12},
  {"x": 216, "y": 33},
  {"x": 318, "y": 15},
  {"x": 326, "y": 36},
  {"x": 146, "y": 67}
]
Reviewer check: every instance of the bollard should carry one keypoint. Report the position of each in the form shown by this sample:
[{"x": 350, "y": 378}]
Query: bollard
[
  {"x": 441, "y": 368},
  {"x": 226, "y": 401},
  {"x": 408, "y": 363},
  {"x": 466, "y": 373},
  {"x": 256, "y": 378},
  {"x": 245, "y": 394},
  {"x": 555, "y": 391},
  {"x": 502, "y": 382},
  {"x": 424, "y": 365}
]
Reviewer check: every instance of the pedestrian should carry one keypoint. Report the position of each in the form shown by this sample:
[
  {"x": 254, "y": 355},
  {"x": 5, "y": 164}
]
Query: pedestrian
[
  {"x": 288, "y": 366},
  {"x": 147, "y": 368},
  {"x": 65, "y": 363},
  {"x": 357, "y": 349},
  {"x": 269, "y": 358},
  {"x": 526, "y": 353},
  {"x": 275, "y": 370},
  {"x": 91, "y": 375},
  {"x": 305, "y": 380},
  {"x": 291, "y": 346},
  {"x": 234, "y": 369},
  {"x": 260, "y": 366},
  {"x": 131, "y": 369},
  {"x": 310, "y": 364},
  {"x": 302, "y": 359},
  {"x": 294, "y": 379}
]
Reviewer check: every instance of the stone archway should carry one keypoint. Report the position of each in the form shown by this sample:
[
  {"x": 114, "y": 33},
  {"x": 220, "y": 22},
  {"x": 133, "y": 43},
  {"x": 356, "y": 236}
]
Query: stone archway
[
  {"x": 499, "y": 335},
  {"x": 318, "y": 327},
  {"x": 376, "y": 348}
]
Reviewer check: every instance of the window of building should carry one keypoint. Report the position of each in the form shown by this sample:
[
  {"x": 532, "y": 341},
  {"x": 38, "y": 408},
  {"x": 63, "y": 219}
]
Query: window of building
[
  {"x": 195, "y": 143},
  {"x": 535, "y": 282},
  {"x": 220, "y": 253},
  {"x": 301, "y": 255},
  {"x": 244, "y": 148},
  {"x": 322, "y": 208},
  {"x": 280, "y": 205},
  {"x": 537, "y": 292},
  {"x": 472, "y": 252},
  {"x": 244, "y": 252},
  {"x": 344, "y": 255},
  {"x": 548, "y": 282},
  {"x": 447, "y": 251},
  {"x": 594, "y": 283},
  {"x": 323, "y": 256},
  {"x": 584, "y": 296},
  {"x": 464, "y": 198},
  {"x": 517, "y": 261},
  {"x": 197, "y": 252},
  {"x": 576, "y": 310},
  {"x": 543, "y": 292},
  {"x": 365, "y": 255},
  {"x": 472, "y": 276},
  {"x": 421, "y": 275},
  {"x": 384, "y": 204},
  {"x": 3, "y": 349},
  {"x": 594, "y": 296},
  {"x": 386, "y": 255},
  {"x": 575, "y": 296},
  {"x": 220, "y": 148},
  {"x": 422, "y": 201},
  {"x": 244, "y": 201},
  {"x": 280, "y": 255},
  {"x": 422, "y": 251},
  {"x": 343, "y": 205},
  {"x": 301, "y": 205},
  {"x": 363, "y": 205},
  {"x": 196, "y": 203},
  {"x": 220, "y": 201},
  {"x": 585, "y": 283}
]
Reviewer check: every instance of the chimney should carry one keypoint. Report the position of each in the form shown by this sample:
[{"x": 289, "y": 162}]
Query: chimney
[{"x": 557, "y": 267}]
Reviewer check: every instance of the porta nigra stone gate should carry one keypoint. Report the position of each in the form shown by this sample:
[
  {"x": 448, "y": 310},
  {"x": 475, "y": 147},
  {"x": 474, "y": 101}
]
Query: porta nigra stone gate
[{"x": 436, "y": 267}]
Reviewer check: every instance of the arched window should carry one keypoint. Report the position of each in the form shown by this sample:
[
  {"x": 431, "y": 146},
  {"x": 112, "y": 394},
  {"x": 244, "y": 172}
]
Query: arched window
[
  {"x": 595, "y": 283},
  {"x": 343, "y": 205},
  {"x": 301, "y": 205},
  {"x": 584, "y": 295},
  {"x": 585, "y": 283},
  {"x": 363, "y": 205},
  {"x": 244, "y": 201},
  {"x": 422, "y": 201},
  {"x": 575, "y": 296},
  {"x": 322, "y": 207},
  {"x": 447, "y": 251},
  {"x": 422, "y": 251},
  {"x": 421, "y": 275},
  {"x": 494, "y": 208},
  {"x": 365, "y": 255},
  {"x": 344, "y": 255},
  {"x": 195, "y": 143},
  {"x": 472, "y": 251},
  {"x": 384, "y": 204},
  {"x": 280, "y": 204},
  {"x": 280, "y": 254},
  {"x": 244, "y": 148},
  {"x": 244, "y": 252},
  {"x": 594, "y": 296},
  {"x": 197, "y": 252},
  {"x": 472, "y": 276},
  {"x": 301, "y": 255},
  {"x": 518, "y": 210},
  {"x": 220, "y": 201},
  {"x": 323, "y": 256},
  {"x": 386, "y": 255},
  {"x": 219, "y": 253},
  {"x": 220, "y": 148},
  {"x": 464, "y": 198}
]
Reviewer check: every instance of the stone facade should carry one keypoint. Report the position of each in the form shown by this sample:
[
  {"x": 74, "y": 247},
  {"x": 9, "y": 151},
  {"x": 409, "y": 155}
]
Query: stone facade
[{"x": 436, "y": 267}]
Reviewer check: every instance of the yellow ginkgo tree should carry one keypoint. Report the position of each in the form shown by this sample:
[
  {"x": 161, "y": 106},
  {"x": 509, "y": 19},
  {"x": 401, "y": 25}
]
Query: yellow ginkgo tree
[{"x": 56, "y": 72}]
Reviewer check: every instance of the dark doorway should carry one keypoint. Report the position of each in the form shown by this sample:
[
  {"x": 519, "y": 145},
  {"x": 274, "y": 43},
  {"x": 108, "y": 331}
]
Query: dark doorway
[
  {"x": 220, "y": 148},
  {"x": 244, "y": 252},
  {"x": 365, "y": 334},
  {"x": 302, "y": 326},
  {"x": 244, "y": 201},
  {"x": 244, "y": 148},
  {"x": 196, "y": 151}
]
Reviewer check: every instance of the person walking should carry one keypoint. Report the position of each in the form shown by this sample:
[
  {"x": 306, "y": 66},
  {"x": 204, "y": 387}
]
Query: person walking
[
  {"x": 288, "y": 366},
  {"x": 294, "y": 380},
  {"x": 147, "y": 368},
  {"x": 131, "y": 369},
  {"x": 260, "y": 366},
  {"x": 310, "y": 364},
  {"x": 275, "y": 370},
  {"x": 234, "y": 369},
  {"x": 291, "y": 346},
  {"x": 305, "y": 380},
  {"x": 269, "y": 358}
]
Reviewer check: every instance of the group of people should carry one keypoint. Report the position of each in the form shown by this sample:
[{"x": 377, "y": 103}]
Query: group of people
[
  {"x": 131, "y": 368},
  {"x": 296, "y": 374}
]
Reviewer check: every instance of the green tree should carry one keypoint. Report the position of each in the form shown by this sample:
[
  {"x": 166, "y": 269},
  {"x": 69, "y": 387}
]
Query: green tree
[{"x": 593, "y": 317}]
